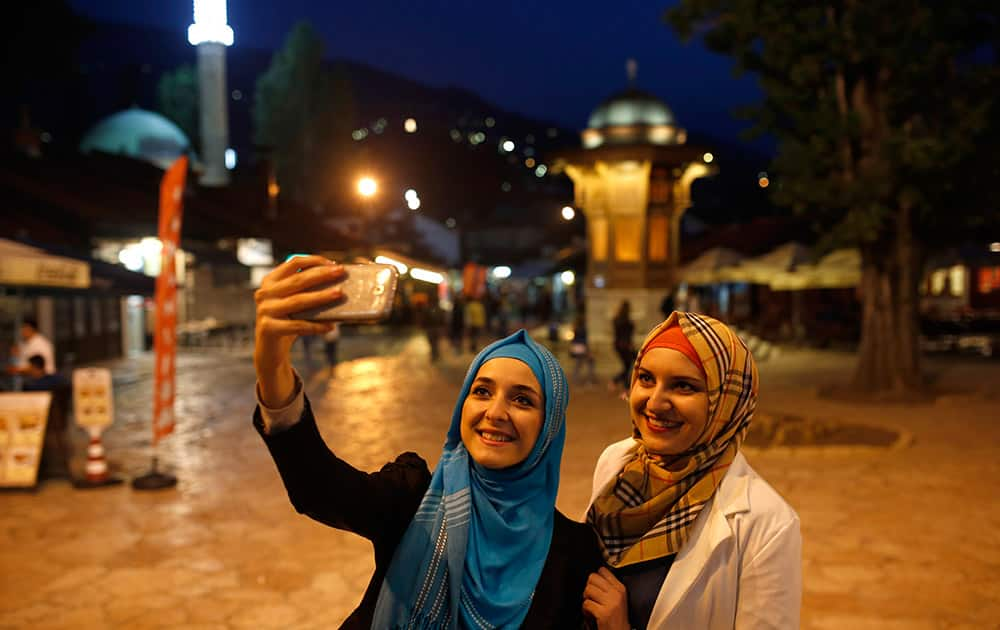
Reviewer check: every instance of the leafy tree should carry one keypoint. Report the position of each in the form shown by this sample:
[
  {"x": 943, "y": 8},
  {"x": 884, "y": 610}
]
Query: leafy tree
[
  {"x": 881, "y": 109},
  {"x": 300, "y": 111},
  {"x": 177, "y": 99}
]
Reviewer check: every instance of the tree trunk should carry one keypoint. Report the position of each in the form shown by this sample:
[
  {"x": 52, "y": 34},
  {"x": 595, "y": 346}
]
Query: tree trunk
[{"x": 889, "y": 353}]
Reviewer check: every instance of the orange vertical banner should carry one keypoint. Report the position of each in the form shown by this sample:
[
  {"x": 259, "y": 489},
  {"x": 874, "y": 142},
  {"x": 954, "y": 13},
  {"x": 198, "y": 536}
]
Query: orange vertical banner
[{"x": 165, "y": 339}]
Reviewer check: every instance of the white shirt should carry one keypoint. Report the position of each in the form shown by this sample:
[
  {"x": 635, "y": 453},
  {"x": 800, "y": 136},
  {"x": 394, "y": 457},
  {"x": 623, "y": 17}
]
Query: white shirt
[
  {"x": 38, "y": 344},
  {"x": 279, "y": 419},
  {"x": 742, "y": 565}
]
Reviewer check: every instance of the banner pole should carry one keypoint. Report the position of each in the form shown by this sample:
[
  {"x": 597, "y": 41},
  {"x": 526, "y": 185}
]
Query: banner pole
[{"x": 165, "y": 340}]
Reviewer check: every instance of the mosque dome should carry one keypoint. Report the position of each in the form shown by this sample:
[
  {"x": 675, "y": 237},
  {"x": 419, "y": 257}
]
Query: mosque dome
[
  {"x": 632, "y": 117},
  {"x": 631, "y": 107},
  {"x": 139, "y": 134}
]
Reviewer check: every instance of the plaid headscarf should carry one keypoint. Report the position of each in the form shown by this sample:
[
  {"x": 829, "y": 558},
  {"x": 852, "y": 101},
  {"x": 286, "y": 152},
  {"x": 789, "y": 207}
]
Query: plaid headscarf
[{"x": 648, "y": 511}]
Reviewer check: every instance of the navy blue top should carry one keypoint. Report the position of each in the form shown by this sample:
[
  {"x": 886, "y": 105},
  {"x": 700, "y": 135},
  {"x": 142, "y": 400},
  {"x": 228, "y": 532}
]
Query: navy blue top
[{"x": 643, "y": 581}]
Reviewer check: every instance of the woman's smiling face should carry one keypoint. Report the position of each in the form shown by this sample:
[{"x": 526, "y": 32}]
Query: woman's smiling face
[
  {"x": 503, "y": 414},
  {"x": 669, "y": 401}
]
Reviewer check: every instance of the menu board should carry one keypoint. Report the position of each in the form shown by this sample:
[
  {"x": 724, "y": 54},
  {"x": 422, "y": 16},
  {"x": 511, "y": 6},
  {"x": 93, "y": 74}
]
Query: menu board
[
  {"x": 92, "y": 399},
  {"x": 22, "y": 433}
]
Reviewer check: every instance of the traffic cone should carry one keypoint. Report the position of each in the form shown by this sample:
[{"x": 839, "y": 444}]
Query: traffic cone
[{"x": 97, "y": 464}]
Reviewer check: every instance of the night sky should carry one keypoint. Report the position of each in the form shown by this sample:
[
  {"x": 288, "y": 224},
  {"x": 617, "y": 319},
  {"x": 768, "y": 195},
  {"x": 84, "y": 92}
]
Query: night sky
[{"x": 555, "y": 61}]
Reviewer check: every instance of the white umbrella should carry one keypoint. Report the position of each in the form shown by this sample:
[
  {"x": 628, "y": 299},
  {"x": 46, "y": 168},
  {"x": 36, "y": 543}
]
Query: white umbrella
[{"x": 708, "y": 268}]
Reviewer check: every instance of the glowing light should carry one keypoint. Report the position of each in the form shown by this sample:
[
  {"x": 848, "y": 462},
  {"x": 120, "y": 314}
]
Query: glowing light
[
  {"x": 413, "y": 204},
  {"x": 230, "y": 159},
  {"x": 210, "y": 23},
  {"x": 490, "y": 121},
  {"x": 427, "y": 276},
  {"x": 568, "y": 277},
  {"x": 568, "y": 213},
  {"x": 150, "y": 246},
  {"x": 450, "y": 223},
  {"x": 410, "y": 125},
  {"x": 410, "y": 194},
  {"x": 763, "y": 182},
  {"x": 530, "y": 162},
  {"x": 995, "y": 247},
  {"x": 541, "y": 170},
  {"x": 501, "y": 272},
  {"x": 385, "y": 260},
  {"x": 708, "y": 157},
  {"x": 367, "y": 187},
  {"x": 359, "y": 134},
  {"x": 507, "y": 146},
  {"x": 131, "y": 257},
  {"x": 456, "y": 135}
]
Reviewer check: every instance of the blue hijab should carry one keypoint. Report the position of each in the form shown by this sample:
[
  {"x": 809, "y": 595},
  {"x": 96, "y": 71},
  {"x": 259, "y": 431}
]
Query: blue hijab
[{"x": 474, "y": 551}]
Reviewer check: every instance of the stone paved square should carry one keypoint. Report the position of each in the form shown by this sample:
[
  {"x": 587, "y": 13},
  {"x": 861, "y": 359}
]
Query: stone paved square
[{"x": 901, "y": 537}]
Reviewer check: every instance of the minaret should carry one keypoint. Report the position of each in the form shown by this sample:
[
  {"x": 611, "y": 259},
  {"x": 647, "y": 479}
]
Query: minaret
[{"x": 211, "y": 34}]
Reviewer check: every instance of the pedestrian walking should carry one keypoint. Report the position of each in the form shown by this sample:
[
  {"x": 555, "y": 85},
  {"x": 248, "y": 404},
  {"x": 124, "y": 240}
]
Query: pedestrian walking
[
  {"x": 475, "y": 322},
  {"x": 430, "y": 320},
  {"x": 476, "y": 544},
  {"x": 456, "y": 325},
  {"x": 623, "y": 332},
  {"x": 694, "y": 537},
  {"x": 330, "y": 340},
  {"x": 579, "y": 351}
]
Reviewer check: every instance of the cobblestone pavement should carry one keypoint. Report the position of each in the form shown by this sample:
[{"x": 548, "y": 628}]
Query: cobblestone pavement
[{"x": 907, "y": 537}]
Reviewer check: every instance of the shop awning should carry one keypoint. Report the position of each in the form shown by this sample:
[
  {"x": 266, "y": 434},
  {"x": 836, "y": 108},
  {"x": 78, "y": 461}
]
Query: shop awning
[{"x": 25, "y": 266}]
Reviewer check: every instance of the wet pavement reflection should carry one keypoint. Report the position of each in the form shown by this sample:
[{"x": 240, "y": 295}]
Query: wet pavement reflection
[{"x": 888, "y": 535}]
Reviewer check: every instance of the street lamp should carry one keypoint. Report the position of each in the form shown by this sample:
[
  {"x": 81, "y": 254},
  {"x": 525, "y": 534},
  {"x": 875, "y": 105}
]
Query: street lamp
[{"x": 367, "y": 187}]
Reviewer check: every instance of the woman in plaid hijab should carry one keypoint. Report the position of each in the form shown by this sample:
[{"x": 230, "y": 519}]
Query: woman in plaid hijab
[{"x": 693, "y": 537}]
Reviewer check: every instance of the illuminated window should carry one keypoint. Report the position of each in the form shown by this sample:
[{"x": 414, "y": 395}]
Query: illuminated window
[
  {"x": 628, "y": 239},
  {"x": 938, "y": 279},
  {"x": 658, "y": 238},
  {"x": 599, "y": 238},
  {"x": 989, "y": 279},
  {"x": 956, "y": 280}
]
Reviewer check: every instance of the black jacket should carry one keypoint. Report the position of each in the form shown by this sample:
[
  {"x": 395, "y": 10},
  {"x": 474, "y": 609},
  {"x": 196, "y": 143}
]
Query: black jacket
[{"x": 380, "y": 505}]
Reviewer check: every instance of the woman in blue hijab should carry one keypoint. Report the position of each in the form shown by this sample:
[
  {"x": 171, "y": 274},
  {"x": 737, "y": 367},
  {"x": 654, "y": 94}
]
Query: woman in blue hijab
[{"x": 476, "y": 544}]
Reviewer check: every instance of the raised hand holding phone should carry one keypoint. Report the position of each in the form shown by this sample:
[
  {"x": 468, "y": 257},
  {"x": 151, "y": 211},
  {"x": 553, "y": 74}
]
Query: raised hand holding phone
[{"x": 289, "y": 288}]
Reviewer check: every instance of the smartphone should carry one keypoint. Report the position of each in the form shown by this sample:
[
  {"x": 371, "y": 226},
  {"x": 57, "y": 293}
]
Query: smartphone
[{"x": 369, "y": 290}]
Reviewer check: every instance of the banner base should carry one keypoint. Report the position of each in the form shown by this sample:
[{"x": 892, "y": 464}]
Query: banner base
[
  {"x": 84, "y": 484},
  {"x": 154, "y": 480}
]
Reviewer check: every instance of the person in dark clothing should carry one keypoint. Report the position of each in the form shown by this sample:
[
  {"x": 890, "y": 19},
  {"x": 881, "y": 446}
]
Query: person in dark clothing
[
  {"x": 478, "y": 542},
  {"x": 55, "y": 447},
  {"x": 624, "y": 348},
  {"x": 36, "y": 380},
  {"x": 456, "y": 325}
]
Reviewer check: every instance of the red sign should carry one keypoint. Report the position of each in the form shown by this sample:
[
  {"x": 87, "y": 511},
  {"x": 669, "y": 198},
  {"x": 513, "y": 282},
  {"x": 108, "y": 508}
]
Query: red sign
[
  {"x": 473, "y": 281},
  {"x": 165, "y": 340}
]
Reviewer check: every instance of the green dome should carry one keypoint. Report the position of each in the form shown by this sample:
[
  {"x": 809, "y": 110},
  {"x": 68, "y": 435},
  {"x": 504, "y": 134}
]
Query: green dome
[
  {"x": 139, "y": 134},
  {"x": 631, "y": 107}
]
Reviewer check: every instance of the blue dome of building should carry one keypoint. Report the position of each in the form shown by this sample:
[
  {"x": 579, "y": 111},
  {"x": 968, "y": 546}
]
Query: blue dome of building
[{"x": 139, "y": 134}]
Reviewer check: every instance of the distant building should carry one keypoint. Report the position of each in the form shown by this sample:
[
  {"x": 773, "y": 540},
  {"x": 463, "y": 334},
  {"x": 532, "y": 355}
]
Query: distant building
[{"x": 632, "y": 180}]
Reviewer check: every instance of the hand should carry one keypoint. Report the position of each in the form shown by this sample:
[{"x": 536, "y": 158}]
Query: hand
[
  {"x": 282, "y": 292},
  {"x": 605, "y": 599}
]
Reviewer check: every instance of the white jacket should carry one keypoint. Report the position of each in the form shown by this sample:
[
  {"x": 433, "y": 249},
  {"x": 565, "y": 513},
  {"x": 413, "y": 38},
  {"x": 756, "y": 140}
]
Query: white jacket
[{"x": 742, "y": 566}]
